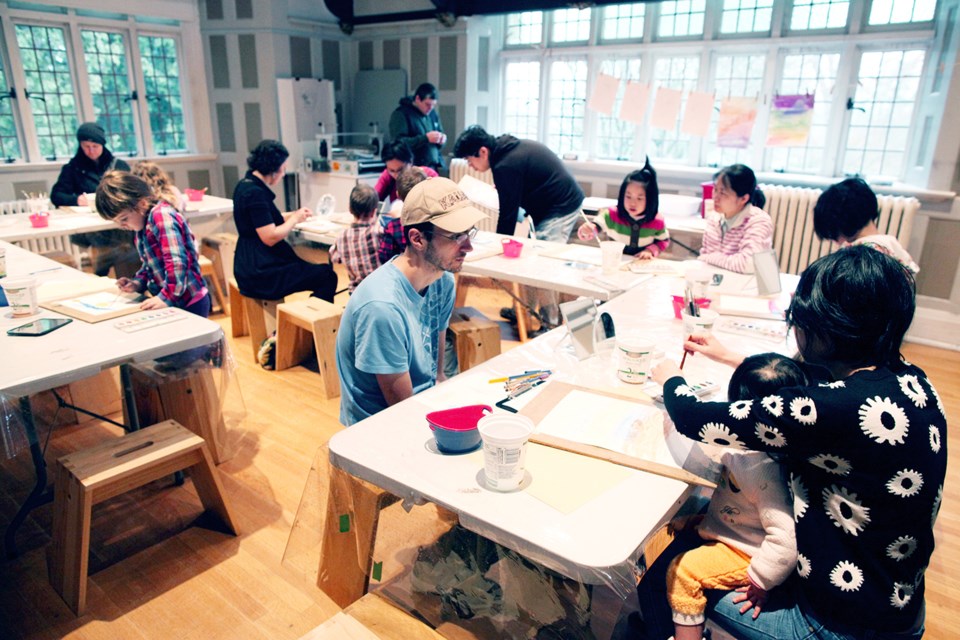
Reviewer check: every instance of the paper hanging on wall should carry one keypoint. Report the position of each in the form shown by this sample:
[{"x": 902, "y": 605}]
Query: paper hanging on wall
[
  {"x": 697, "y": 114},
  {"x": 735, "y": 127},
  {"x": 790, "y": 120},
  {"x": 636, "y": 98},
  {"x": 604, "y": 94},
  {"x": 666, "y": 108}
]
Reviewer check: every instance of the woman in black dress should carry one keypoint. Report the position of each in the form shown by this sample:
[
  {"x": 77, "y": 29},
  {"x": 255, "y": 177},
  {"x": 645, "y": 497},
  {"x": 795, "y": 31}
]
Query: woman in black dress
[{"x": 266, "y": 266}]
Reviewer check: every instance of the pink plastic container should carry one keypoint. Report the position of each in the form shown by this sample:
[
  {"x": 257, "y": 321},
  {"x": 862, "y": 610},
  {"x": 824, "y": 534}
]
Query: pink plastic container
[
  {"x": 707, "y": 195},
  {"x": 511, "y": 248},
  {"x": 194, "y": 195},
  {"x": 455, "y": 430},
  {"x": 40, "y": 219},
  {"x": 703, "y": 303}
]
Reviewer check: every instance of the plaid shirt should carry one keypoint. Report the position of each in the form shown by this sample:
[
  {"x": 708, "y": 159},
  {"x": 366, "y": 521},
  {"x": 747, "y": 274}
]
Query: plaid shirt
[
  {"x": 392, "y": 242},
  {"x": 357, "y": 249},
  {"x": 171, "y": 265}
]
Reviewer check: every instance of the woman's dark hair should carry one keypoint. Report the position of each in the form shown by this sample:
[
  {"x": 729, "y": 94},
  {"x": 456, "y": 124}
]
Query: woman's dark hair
[
  {"x": 396, "y": 150},
  {"x": 855, "y": 304},
  {"x": 647, "y": 177},
  {"x": 764, "y": 374},
  {"x": 470, "y": 141},
  {"x": 743, "y": 181},
  {"x": 267, "y": 157},
  {"x": 844, "y": 209},
  {"x": 121, "y": 191}
]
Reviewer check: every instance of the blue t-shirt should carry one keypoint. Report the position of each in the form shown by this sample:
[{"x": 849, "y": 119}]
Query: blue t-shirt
[{"x": 389, "y": 327}]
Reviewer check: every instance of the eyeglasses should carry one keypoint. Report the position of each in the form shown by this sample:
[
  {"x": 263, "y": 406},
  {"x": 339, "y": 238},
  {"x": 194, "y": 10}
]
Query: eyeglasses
[{"x": 459, "y": 238}]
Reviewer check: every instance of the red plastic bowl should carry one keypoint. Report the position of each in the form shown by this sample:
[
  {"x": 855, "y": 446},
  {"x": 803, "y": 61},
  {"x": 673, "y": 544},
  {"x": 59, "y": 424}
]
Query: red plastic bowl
[{"x": 194, "y": 195}]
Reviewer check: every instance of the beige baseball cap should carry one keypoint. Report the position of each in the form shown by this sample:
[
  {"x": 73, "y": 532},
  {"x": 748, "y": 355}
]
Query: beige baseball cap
[{"x": 442, "y": 202}]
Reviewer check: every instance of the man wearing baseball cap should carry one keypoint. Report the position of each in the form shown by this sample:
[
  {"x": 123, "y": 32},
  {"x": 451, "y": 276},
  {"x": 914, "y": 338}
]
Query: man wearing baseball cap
[
  {"x": 111, "y": 248},
  {"x": 390, "y": 346}
]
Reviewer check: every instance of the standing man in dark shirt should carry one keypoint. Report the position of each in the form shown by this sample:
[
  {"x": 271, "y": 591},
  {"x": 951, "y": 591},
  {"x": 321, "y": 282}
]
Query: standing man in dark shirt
[
  {"x": 111, "y": 248},
  {"x": 527, "y": 174},
  {"x": 416, "y": 123}
]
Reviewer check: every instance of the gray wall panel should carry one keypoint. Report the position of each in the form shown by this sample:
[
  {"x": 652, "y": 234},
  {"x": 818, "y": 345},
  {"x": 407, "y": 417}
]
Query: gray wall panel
[
  {"x": 391, "y": 54},
  {"x": 251, "y": 116},
  {"x": 244, "y": 9},
  {"x": 218, "y": 62},
  {"x": 366, "y": 56},
  {"x": 231, "y": 176},
  {"x": 248, "y": 61},
  {"x": 419, "y": 69},
  {"x": 448, "y": 64},
  {"x": 198, "y": 178},
  {"x": 331, "y": 62},
  {"x": 301, "y": 65},
  {"x": 214, "y": 10},
  {"x": 228, "y": 140}
]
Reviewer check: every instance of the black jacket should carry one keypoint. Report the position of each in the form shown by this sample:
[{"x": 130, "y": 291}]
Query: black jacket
[
  {"x": 82, "y": 175},
  {"x": 408, "y": 124},
  {"x": 529, "y": 175}
]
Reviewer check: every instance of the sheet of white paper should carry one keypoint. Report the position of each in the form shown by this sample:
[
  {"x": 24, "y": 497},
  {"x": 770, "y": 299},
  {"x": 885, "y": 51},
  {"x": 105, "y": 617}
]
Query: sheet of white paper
[
  {"x": 480, "y": 192},
  {"x": 666, "y": 108},
  {"x": 575, "y": 253},
  {"x": 636, "y": 98},
  {"x": 604, "y": 94},
  {"x": 102, "y": 303},
  {"x": 697, "y": 114}
]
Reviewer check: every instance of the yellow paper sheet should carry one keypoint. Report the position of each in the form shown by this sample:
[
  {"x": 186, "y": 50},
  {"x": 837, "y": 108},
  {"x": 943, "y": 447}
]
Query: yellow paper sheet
[{"x": 566, "y": 481}]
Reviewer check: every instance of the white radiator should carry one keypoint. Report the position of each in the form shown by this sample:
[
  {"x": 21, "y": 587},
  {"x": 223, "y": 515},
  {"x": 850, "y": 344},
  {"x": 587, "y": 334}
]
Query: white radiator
[
  {"x": 794, "y": 239},
  {"x": 41, "y": 245},
  {"x": 460, "y": 168}
]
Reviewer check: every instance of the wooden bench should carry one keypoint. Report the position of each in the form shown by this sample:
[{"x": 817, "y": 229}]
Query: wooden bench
[
  {"x": 251, "y": 316},
  {"x": 372, "y": 618},
  {"x": 477, "y": 337},
  {"x": 307, "y": 326},
  {"x": 209, "y": 274},
  {"x": 90, "y": 476}
]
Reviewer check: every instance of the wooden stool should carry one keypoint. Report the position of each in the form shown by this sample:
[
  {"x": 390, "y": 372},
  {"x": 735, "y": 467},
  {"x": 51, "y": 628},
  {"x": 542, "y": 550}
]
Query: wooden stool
[
  {"x": 259, "y": 317},
  {"x": 310, "y": 325},
  {"x": 372, "y": 616},
  {"x": 62, "y": 257},
  {"x": 88, "y": 477},
  {"x": 209, "y": 274},
  {"x": 187, "y": 395},
  {"x": 477, "y": 337}
]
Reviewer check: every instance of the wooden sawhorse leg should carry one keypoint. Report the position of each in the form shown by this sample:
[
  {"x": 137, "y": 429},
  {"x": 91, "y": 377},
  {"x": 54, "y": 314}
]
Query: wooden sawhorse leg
[{"x": 349, "y": 535}]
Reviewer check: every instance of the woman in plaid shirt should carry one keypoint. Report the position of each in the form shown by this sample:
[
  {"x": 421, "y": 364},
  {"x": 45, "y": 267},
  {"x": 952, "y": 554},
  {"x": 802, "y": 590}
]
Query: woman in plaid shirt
[{"x": 171, "y": 265}]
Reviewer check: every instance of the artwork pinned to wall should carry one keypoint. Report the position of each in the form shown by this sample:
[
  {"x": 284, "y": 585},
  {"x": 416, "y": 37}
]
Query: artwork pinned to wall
[
  {"x": 790, "y": 120},
  {"x": 735, "y": 126}
]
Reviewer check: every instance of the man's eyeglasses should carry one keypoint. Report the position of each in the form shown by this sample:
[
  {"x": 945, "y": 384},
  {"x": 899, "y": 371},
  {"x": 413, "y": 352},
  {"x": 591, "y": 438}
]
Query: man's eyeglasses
[{"x": 459, "y": 238}]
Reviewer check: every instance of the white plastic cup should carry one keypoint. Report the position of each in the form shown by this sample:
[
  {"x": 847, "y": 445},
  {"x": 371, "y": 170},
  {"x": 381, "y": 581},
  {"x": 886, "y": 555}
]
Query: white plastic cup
[
  {"x": 634, "y": 358},
  {"x": 610, "y": 253},
  {"x": 21, "y": 295},
  {"x": 698, "y": 281},
  {"x": 3, "y": 262},
  {"x": 703, "y": 323},
  {"x": 504, "y": 449}
]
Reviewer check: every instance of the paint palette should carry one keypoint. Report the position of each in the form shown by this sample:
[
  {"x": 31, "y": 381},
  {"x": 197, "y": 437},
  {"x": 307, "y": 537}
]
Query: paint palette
[{"x": 149, "y": 319}]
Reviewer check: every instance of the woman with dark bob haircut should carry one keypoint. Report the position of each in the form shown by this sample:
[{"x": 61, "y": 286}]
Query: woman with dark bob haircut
[
  {"x": 866, "y": 453},
  {"x": 265, "y": 266}
]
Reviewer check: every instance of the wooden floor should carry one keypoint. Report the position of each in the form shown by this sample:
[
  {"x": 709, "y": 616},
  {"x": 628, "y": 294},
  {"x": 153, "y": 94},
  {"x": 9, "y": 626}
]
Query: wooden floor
[{"x": 155, "y": 576}]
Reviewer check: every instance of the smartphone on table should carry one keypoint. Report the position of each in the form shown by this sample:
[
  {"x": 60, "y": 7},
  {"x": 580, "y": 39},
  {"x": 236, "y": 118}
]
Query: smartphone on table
[{"x": 39, "y": 327}]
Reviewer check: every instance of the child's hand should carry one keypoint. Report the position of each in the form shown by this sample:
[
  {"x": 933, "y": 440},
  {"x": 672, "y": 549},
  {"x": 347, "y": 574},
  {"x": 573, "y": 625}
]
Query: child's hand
[
  {"x": 664, "y": 371},
  {"x": 128, "y": 285},
  {"x": 682, "y": 523},
  {"x": 587, "y": 231},
  {"x": 645, "y": 255},
  {"x": 753, "y": 597},
  {"x": 152, "y": 304}
]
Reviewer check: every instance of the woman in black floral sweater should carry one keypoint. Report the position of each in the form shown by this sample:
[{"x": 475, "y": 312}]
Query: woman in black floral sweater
[{"x": 866, "y": 455}]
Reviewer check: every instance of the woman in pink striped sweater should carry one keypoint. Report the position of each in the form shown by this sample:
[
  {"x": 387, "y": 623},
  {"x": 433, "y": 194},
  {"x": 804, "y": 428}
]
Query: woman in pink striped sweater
[{"x": 741, "y": 227}]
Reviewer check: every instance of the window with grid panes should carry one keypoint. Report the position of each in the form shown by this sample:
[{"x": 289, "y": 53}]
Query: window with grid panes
[
  {"x": 746, "y": 16},
  {"x": 681, "y": 18},
  {"x": 681, "y": 73},
  {"x": 522, "y": 99},
  {"x": 105, "y": 54},
  {"x": 9, "y": 141},
  {"x": 880, "y": 122},
  {"x": 43, "y": 53},
  {"x": 807, "y": 73},
  {"x": 623, "y": 22},
  {"x": 734, "y": 76},
  {"x": 524, "y": 28},
  {"x": 819, "y": 14},
  {"x": 568, "y": 95},
  {"x": 616, "y": 138},
  {"x": 901, "y": 11},
  {"x": 570, "y": 25},
  {"x": 161, "y": 77}
]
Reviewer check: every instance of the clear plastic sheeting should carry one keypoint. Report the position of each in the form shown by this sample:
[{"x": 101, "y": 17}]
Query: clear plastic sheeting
[{"x": 13, "y": 433}]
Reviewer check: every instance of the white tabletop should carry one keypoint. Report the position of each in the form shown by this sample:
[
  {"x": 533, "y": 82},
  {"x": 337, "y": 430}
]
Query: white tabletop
[
  {"x": 596, "y": 543},
  {"x": 68, "y": 220},
  {"x": 80, "y": 349}
]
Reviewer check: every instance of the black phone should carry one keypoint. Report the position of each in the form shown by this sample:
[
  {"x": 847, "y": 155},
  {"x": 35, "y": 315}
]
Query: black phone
[
  {"x": 39, "y": 327},
  {"x": 717, "y": 279}
]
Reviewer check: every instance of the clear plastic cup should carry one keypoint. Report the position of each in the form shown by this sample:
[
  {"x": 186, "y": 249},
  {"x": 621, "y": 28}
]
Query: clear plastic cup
[
  {"x": 610, "y": 253},
  {"x": 21, "y": 295},
  {"x": 504, "y": 449}
]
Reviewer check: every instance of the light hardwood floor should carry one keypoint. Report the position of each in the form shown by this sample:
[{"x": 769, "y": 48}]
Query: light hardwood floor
[{"x": 153, "y": 576}]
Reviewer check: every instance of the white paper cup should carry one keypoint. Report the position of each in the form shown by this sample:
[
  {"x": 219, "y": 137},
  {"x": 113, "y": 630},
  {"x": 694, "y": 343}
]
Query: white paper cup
[
  {"x": 698, "y": 324},
  {"x": 634, "y": 358},
  {"x": 504, "y": 449},
  {"x": 610, "y": 253},
  {"x": 21, "y": 295}
]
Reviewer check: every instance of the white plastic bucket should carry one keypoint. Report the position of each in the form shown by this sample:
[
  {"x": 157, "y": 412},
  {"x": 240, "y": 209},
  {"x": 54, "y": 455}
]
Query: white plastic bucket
[
  {"x": 21, "y": 295},
  {"x": 634, "y": 358},
  {"x": 504, "y": 449}
]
